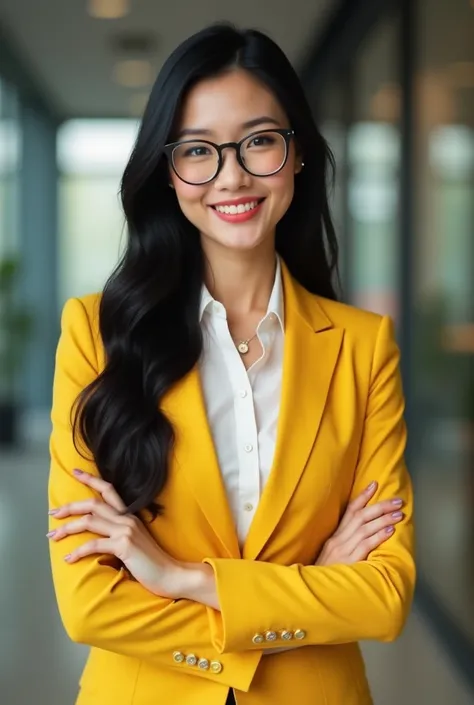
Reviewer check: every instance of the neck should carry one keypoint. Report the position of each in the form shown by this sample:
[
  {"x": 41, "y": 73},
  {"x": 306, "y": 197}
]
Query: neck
[{"x": 241, "y": 281}]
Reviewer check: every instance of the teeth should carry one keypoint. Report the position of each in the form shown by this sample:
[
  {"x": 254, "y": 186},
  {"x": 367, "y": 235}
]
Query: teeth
[{"x": 234, "y": 210}]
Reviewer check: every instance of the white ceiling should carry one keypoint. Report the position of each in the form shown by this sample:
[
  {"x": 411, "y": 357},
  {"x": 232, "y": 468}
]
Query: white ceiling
[{"x": 71, "y": 57}]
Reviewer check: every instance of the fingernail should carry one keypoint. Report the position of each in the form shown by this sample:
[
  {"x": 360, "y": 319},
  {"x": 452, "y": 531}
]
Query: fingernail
[
  {"x": 77, "y": 472},
  {"x": 372, "y": 486},
  {"x": 389, "y": 530},
  {"x": 53, "y": 511},
  {"x": 68, "y": 557},
  {"x": 397, "y": 502},
  {"x": 50, "y": 534},
  {"x": 397, "y": 515}
]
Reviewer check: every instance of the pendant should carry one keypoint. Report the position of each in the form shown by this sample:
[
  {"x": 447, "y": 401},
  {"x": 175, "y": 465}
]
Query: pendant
[{"x": 243, "y": 347}]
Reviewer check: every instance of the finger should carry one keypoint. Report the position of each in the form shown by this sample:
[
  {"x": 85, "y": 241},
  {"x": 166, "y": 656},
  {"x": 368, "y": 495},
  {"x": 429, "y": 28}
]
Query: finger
[
  {"x": 372, "y": 528},
  {"x": 365, "y": 548},
  {"x": 87, "y": 506},
  {"x": 96, "y": 546},
  {"x": 93, "y": 524},
  {"x": 367, "y": 514},
  {"x": 106, "y": 489},
  {"x": 358, "y": 503}
]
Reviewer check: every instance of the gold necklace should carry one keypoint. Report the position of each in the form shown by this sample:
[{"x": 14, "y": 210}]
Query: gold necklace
[{"x": 243, "y": 345}]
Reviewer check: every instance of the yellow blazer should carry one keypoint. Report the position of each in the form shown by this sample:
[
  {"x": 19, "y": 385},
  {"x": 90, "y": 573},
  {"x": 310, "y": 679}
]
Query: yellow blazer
[{"x": 340, "y": 426}]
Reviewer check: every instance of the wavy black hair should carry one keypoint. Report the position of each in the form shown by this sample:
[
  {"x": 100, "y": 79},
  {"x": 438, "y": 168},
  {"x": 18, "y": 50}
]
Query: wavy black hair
[{"x": 148, "y": 316}]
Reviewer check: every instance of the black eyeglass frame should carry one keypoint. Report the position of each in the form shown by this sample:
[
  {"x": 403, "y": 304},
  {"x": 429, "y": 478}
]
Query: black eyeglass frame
[{"x": 169, "y": 149}]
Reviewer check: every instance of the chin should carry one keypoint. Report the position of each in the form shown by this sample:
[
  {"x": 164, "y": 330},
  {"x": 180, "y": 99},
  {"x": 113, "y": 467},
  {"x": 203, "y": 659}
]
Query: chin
[{"x": 240, "y": 241}]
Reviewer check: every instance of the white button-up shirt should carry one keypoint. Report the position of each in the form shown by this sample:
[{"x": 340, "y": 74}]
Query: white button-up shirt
[{"x": 243, "y": 405}]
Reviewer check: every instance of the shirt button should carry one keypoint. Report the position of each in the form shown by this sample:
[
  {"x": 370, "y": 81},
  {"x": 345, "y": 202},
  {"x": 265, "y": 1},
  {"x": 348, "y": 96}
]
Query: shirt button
[
  {"x": 242, "y": 393},
  {"x": 248, "y": 507},
  {"x": 248, "y": 448}
]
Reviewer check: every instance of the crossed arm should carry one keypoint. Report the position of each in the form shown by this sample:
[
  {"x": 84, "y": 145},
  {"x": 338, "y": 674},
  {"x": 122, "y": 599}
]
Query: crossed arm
[{"x": 119, "y": 596}]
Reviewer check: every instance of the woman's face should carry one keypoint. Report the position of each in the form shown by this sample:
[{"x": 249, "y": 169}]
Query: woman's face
[{"x": 227, "y": 109}]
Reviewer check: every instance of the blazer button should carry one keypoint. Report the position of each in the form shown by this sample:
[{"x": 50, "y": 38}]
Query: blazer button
[
  {"x": 203, "y": 664},
  {"x": 258, "y": 639},
  {"x": 216, "y": 666},
  {"x": 191, "y": 660},
  {"x": 270, "y": 636},
  {"x": 178, "y": 657},
  {"x": 286, "y": 635},
  {"x": 300, "y": 634}
]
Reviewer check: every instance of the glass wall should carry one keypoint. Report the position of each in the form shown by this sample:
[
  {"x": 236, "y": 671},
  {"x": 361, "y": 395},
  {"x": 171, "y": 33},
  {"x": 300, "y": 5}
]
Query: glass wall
[
  {"x": 373, "y": 173},
  {"x": 443, "y": 335},
  {"x": 10, "y": 158},
  {"x": 92, "y": 155}
]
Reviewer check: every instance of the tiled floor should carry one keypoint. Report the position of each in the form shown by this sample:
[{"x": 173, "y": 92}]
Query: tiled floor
[{"x": 38, "y": 664}]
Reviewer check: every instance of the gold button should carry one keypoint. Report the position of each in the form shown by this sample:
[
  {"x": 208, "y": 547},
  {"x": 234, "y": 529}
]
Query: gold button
[
  {"x": 203, "y": 664},
  {"x": 300, "y": 634},
  {"x": 286, "y": 635},
  {"x": 270, "y": 636},
  {"x": 178, "y": 657},
  {"x": 258, "y": 639},
  {"x": 216, "y": 666},
  {"x": 191, "y": 660}
]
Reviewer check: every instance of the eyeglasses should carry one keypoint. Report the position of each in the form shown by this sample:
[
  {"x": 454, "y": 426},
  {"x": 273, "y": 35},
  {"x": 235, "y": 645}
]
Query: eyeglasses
[{"x": 261, "y": 153}]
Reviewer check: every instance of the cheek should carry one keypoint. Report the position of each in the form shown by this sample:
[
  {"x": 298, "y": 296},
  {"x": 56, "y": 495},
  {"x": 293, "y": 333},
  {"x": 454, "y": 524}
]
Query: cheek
[
  {"x": 189, "y": 197},
  {"x": 282, "y": 186}
]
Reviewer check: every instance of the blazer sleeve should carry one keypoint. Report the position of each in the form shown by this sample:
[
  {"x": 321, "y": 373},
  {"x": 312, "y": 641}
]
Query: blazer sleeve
[
  {"x": 99, "y": 602},
  {"x": 339, "y": 603}
]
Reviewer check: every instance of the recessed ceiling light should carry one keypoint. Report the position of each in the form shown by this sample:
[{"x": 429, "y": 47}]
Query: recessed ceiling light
[
  {"x": 133, "y": 73},
  {"x": 108, "y": 9}
]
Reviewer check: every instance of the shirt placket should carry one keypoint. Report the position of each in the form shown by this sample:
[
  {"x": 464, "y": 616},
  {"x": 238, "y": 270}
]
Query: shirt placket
[{"x": 246, "y": 430}]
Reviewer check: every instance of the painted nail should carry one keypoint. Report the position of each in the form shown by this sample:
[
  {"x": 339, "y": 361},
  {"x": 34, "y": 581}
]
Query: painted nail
[
  {"x": 372, "y": 486},
  {"x": 397, "y": 502},
  {"x": 397, "y": 515},
  {"x": 50, "y": 534},
  {"x": 389, "y": 530},
  {"x": 53, "y": 511},
  {"x": 77, "y": 472},
  {"x": 67, "y": 558}
]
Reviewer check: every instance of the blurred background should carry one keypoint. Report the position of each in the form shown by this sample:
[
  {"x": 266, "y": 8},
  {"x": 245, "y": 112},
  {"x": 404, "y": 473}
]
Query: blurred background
[{"x": 392, "y": 88}]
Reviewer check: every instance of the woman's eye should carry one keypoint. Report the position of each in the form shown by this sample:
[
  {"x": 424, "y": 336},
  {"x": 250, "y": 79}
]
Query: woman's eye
[
  {"x": 196, "y": 152},
  {"x": 261, "y": 141}
]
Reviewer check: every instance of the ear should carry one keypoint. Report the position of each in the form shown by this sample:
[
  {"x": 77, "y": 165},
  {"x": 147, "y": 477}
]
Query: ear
[
  {"x": 299, "y": 163},
  {"x": 298, "y": 166}
]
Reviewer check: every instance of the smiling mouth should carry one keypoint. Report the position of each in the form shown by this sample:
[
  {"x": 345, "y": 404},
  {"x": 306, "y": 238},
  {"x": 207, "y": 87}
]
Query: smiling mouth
[{"x": 240, "y": 208}]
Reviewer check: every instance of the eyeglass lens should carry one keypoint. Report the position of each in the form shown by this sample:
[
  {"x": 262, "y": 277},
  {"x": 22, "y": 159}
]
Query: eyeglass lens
[{"x": 262, "y": 154}]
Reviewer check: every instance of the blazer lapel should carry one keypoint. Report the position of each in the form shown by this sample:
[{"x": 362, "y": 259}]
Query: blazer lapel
[
  {"x": 310, "y": 355},
  {"x": 194, "y": 455}
]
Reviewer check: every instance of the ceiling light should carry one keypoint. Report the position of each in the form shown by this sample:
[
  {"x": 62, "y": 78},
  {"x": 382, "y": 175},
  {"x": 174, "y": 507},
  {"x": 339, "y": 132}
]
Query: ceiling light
[
  {"x": 108, "y": 9},
  {"x": 133, "y": 73}
]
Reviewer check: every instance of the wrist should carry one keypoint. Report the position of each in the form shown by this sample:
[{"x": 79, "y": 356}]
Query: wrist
[{"x": 199, "y": 584}]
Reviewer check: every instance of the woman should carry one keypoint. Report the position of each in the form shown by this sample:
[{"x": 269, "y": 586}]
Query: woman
[{"x": 211, "y": 509}]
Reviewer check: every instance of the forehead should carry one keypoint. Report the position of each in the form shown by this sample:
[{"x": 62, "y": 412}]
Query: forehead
[{"x": 229, "y": 99}]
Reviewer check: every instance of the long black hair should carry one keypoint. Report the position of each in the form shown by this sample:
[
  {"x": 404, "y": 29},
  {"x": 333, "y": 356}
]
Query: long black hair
[{"x": 148, "y": 315}]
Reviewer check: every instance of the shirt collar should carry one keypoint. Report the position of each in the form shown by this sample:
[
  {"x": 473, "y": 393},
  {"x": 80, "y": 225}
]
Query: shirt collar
[{"x": 275, "y": 304}]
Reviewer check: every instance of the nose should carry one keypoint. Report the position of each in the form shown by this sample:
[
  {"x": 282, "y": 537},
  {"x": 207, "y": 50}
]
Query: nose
[{"x": 231, "y": 176}]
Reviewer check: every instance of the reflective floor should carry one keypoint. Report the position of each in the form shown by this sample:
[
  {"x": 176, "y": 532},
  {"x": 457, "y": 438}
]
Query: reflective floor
[{"x": 39, "y": 665}]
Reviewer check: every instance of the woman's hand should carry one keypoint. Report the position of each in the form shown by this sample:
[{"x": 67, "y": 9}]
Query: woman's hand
[
  {"x": 362, "y": 529},
  {"x": 125, "y": 537}
]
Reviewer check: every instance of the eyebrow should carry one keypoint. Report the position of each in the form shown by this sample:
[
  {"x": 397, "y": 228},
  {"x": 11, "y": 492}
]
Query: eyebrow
[{"x": 256, "y": 122}]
